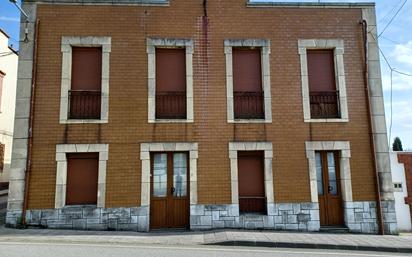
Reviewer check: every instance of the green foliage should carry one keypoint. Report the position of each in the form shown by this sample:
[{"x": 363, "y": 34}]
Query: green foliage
[{"x": 397, "y": 144}]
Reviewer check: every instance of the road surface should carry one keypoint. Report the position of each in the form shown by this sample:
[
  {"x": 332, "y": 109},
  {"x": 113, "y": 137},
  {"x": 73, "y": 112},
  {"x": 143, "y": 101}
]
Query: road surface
[{"x": 25, "y": 249}]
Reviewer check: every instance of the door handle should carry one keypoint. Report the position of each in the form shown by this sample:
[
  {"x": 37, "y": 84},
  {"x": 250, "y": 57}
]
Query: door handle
[
  {"x": 172, "y": 190},
  {"x": 330, "y": 189}
]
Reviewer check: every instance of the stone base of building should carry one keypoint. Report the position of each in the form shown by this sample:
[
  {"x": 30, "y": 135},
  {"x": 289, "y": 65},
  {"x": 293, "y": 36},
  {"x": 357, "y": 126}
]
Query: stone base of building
[
  {"x": 283, "y": 216},
  {"x": 360, "y": 217},
  {"x": 87, "y": 218},
  {"x": 390, "y": 223}
]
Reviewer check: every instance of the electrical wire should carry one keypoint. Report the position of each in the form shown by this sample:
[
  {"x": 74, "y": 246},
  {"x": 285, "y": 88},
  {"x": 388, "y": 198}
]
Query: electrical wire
[
  {"x": 387, "y": 14},
  {"x": 393, "y": 17}
]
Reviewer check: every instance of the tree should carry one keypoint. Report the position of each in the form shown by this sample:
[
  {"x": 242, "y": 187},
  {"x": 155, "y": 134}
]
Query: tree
[{"x": 397, "y": 144}]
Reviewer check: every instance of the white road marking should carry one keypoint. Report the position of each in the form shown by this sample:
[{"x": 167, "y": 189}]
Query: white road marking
[{"x": 183, "y": 248}]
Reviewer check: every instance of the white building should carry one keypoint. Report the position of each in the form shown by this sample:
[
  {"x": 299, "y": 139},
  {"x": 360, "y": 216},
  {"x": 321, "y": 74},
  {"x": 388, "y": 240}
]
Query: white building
[
  {"x": 8, "y": 79},
  {"x": 403, "y": 214}
]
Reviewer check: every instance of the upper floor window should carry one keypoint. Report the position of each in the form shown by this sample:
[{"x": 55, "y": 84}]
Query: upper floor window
[
  {"x": 86, "y": 88},
  {"x": 170, "y": 83},
  {"x": 2, "y": 153},
  {"x": 85, "y": 79},
  {"x": 323, "y": 96},
  {"x": 247, "y": 84},
  {"x": 170, "y": 80},
  {"x": 248, "y": 80},
  {"x": 323, "y": 80}
]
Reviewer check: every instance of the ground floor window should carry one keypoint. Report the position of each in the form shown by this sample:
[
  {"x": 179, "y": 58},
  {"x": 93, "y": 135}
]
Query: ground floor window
[
  {"x": 251, "y": 182},
  {"x": 82, "y": 178}
]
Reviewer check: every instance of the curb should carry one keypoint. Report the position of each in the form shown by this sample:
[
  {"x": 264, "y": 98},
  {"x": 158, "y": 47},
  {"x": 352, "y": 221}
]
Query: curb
[{"x": 313, "y": 246}]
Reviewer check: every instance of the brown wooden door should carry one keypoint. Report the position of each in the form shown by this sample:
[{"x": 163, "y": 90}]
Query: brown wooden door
[
  {"x": 169, "y": 201},
  {"x": 328, "y": 178}
]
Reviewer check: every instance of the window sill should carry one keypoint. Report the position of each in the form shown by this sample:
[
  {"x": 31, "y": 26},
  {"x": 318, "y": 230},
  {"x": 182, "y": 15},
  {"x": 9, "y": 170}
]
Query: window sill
[
  {"x": 67, "y": 207},
  {"x": 171, "y": 121},
  {"x": 86, "y": 121},
  {"x": 249, "y": 121},
  {"x": 327, "y": 120}
]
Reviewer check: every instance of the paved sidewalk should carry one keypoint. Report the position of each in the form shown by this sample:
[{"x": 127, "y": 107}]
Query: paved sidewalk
[{"x": 218, "y": 237}]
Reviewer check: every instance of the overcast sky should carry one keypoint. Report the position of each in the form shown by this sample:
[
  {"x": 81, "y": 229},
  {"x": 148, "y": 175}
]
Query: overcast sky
[{"x": 395, "y": 42}]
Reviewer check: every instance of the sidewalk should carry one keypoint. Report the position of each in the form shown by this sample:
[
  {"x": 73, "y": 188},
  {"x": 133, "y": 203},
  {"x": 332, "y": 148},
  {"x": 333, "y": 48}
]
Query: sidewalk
[{"x": 219, "y": 237}]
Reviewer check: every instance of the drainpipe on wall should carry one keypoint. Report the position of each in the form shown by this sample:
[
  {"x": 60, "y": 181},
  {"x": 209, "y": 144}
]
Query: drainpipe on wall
[
  {"x": 31, "y": 121},
  {"x": 372, "y": 143}
]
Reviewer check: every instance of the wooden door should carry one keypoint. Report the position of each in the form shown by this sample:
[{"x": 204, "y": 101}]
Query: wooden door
[
  {"x": 328, "y": 178},
  {"x": 169, "y": 201}
]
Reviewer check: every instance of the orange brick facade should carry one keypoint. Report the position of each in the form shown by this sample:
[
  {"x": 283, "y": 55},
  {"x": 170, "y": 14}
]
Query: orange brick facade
[
  {"x": 128, "y": 126},
  {"x": 129, "y": 27}
]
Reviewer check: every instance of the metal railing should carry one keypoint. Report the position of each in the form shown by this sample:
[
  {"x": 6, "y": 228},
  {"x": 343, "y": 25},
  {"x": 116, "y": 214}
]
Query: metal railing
[
  {"x": 252, "y": 205},
  {"x": 248, "y": 105},
  {"x": 324, "y": 105},
  {"x": 84, "y": 104},
  {"x": 171, "y": 105}
]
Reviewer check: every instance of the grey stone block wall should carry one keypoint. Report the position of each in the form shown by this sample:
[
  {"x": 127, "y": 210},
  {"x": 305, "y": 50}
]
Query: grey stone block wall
[
  {"x": 389, "y": 217},
  {"x": 284, "y": 216},
  {"x": 91, "y": 218},
  {"x": 361, "y": 217}
]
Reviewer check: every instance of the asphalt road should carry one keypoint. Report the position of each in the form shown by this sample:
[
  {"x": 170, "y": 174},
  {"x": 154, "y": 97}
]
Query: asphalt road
[{"x": 10, "y": 249}]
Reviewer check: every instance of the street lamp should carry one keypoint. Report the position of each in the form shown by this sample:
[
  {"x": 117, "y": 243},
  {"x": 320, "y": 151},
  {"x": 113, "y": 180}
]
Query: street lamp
[
  {"x": 26, "y": 29},
  {"x": 18, "y": 6}
]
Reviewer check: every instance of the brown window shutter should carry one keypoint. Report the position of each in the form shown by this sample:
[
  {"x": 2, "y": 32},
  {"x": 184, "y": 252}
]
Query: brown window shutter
[
  {"x": 86, "y": 68},
  {"x": 247, "y": 84},
  {"x": 251, "y": 182},
  {"x": 2, "y": 153},
  {"x": 82, "y": 178},
  {"x": 85, "y": 93},
  {"x": 170, "y": 83},
  {"x": 321, "y": 70},
  {"x": 247, "y": 73},
  {"x": 323, "y": 94}
]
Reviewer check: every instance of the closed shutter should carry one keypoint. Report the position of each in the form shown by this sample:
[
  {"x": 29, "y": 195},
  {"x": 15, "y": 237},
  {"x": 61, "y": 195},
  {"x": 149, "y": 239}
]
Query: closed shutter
[
  {"x": 251, "y": 182},
  {"x": 86, "y": 68},
  {"x": 321, "y": 70},
  {"x": 324, "y": 98},
  {"x": 2, "y": 153},
  {"x": 85, "y": 93},
  {"x": 247, "y": 74},
  {"x": 170, "y": 83},
  {"x": 82, "y": 178},
  {"x": 247, "y": 84}
]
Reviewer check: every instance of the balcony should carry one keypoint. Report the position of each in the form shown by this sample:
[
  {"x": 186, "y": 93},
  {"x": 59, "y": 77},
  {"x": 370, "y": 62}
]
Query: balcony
[
  {"x": 252, "y": 205},
  {"x": 84, "y": 104},
  {"x": 249, "y": 105},
  {"x": 171, "y": 105},
  {"x": 324, "y": 105}
]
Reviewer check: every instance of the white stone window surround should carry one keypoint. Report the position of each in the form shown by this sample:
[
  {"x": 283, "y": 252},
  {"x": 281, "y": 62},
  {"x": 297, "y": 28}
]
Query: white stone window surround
[
  {"x": 234, "y": 147},
  {"x": 338, "y": 46},
  {"x": 61, "y": 175},
  {"x": 147, "y": 148},
  {"x": 264, "y": 44},
  {"x": 66, "y": 48},
  {"x": 152, "y": 44},
  {"x": 344, "y": 166}
]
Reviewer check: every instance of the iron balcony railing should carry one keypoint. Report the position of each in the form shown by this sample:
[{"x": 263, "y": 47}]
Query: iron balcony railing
[
  {"x": 249, "y": 105},
  {"x": 171, "y": 105},
  {"x": 252, "y": 205},
  {"x": 84, "y": 104},
  {"x": 324, "y": 105}
]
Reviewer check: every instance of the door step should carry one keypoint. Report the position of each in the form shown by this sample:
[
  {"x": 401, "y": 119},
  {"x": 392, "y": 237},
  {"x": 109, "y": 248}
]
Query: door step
[{"x": 335, "y": 230}]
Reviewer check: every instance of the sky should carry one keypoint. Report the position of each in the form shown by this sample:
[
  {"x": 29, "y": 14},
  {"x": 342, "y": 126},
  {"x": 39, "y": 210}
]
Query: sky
[{"x": 395, "y": 43}]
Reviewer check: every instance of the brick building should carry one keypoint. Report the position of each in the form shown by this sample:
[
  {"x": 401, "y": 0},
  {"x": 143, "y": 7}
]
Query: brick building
[{"x": 200, "y": 114}]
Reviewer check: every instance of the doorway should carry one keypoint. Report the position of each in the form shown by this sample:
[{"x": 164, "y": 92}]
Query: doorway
[
  {"x": 169, "y": 194},
  {"x": 329, "y": 189}
]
